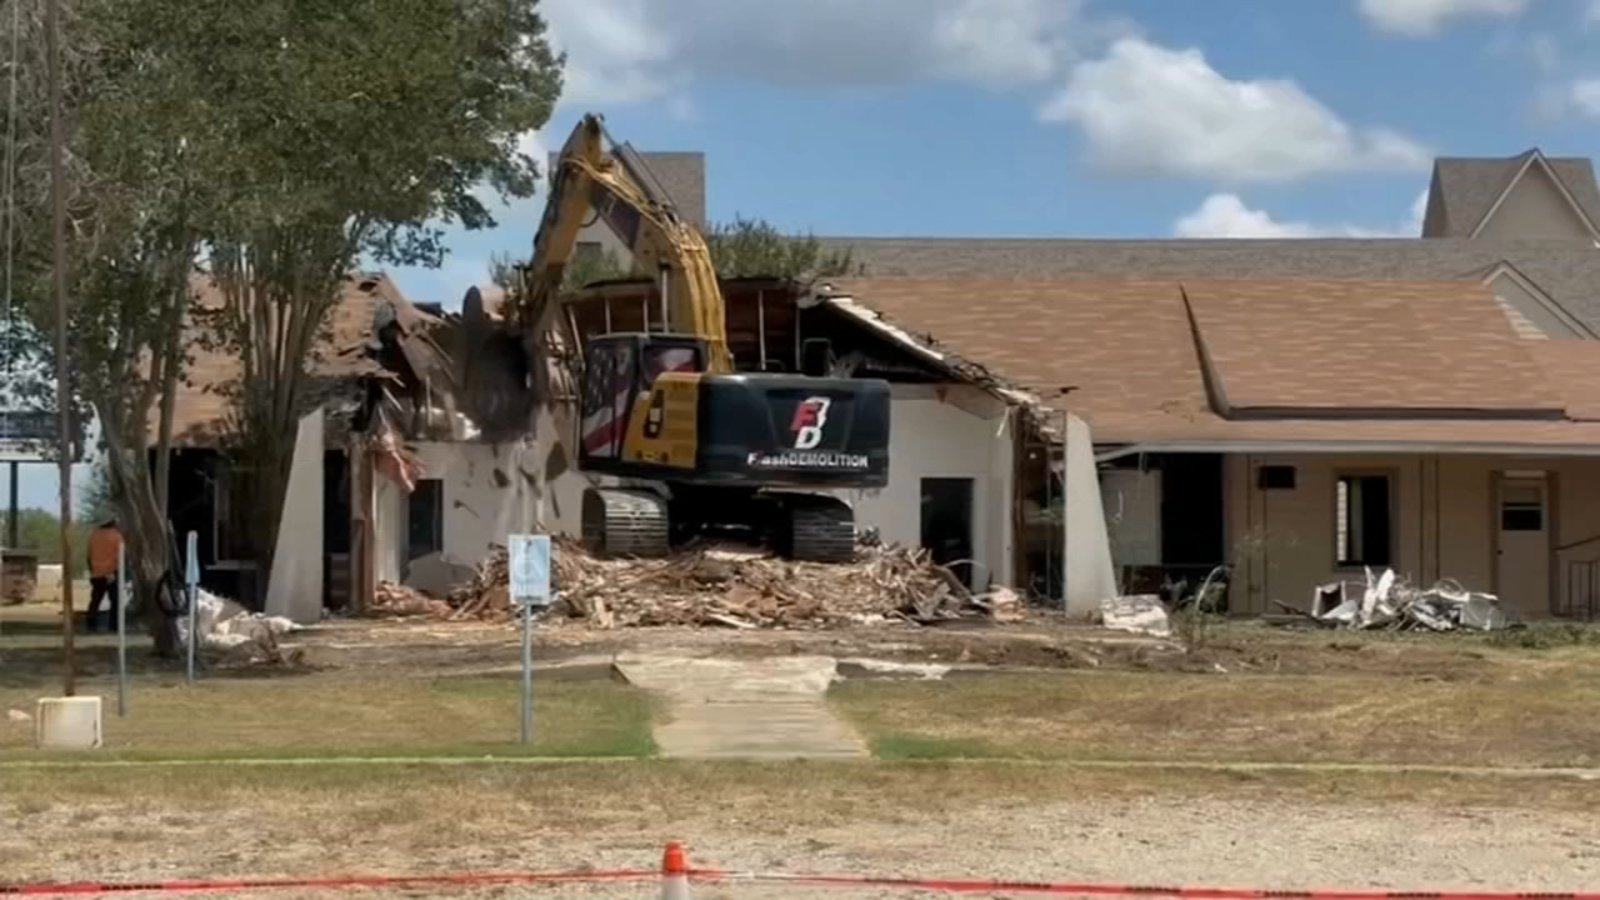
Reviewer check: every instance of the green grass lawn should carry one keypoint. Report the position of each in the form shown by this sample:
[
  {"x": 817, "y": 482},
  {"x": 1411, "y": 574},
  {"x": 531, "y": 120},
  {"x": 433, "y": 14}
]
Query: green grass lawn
[
  {"x": 1541, "y": 715},
  {"x": 353, "y": 715}
]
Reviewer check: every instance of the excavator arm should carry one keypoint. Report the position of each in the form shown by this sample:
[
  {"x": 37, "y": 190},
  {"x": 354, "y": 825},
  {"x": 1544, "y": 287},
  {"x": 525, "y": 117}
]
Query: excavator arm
[{"x": 593, "y": 176}]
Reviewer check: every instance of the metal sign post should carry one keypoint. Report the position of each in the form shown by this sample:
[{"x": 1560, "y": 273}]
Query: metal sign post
[
  {"x": 121, "y": 600},
  {"x": 191, "y": 581},
  {"x": 529, "y": 565}
]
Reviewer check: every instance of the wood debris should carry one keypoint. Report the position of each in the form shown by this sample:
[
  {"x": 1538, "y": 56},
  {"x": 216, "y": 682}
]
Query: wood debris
[{"x": 720, "y": 587}]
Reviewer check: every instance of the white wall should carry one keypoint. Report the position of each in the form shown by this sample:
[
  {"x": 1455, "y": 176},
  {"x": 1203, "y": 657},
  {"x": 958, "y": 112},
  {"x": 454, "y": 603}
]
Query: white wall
[
  {"x": 490, "y": 491},
  {"x": 935, "y": 432},
  {"x": 951, "y": 431},
  {"x": 295, "y": 588}
]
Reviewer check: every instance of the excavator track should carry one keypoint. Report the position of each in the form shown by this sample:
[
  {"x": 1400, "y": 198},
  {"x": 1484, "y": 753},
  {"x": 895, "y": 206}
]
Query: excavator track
[
  {"x": 820, "y": 529},
  {"x": 625, "y": 523}
]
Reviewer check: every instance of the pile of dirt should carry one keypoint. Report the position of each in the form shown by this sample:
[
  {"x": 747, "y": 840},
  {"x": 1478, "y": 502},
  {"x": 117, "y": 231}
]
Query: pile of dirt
[{"x": 712, "y": 586}]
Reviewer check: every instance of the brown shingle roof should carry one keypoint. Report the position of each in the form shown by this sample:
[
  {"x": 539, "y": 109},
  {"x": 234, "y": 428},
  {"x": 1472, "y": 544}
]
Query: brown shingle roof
[
  {"x": 201, "y": 409},
  {"x": 1128, "y": 348},
  {"x": 1364, "y": 345},
  {"x": 1569, "y": 271},
  {"x": 1573, "y": 369}
]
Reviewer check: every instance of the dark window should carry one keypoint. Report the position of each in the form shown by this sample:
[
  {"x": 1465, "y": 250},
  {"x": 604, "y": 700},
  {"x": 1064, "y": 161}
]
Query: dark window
[
  {"x": 587, "y": 252},
  {"x": 1521, "y": 507},
  {"x": 425, "y": 519},
  {"x": 1364, "y": 525},
  {"x": 1275, "y": 478}
]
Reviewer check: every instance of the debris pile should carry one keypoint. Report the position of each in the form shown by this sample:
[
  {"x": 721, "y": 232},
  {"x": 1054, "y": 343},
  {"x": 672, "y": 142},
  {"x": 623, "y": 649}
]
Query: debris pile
[
  {"x": 711, "y": 586},
  {"x": 238, "y": 634},
  {"x": 1389, "y": 602}
]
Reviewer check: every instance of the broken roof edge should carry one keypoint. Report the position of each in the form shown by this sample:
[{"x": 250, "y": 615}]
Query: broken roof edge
[{"x": 928, "y": 350}]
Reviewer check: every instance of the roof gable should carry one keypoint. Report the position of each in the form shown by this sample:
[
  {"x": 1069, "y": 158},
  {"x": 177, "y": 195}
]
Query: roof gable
[{"x": 1465, "y": 192}]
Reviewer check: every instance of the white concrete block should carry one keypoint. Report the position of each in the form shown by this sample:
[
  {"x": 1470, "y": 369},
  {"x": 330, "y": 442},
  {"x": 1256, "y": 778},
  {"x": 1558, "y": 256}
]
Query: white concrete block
[{"x": 69, "y": 723}]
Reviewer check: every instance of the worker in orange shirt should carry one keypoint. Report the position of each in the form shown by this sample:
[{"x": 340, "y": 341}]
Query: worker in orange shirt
[{"x": 105, "y": 545}]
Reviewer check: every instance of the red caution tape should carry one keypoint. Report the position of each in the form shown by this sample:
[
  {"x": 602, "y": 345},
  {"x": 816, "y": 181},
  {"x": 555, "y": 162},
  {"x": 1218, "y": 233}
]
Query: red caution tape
[
  {"x": 337, "y": 881},
  {"x": 1088, "y": 889},
  {"x": 947, "y": 885}
]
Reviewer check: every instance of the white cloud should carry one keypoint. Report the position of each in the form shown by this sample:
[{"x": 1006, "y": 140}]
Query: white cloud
[
  {"x": 1584, "y": 95},
  {"x": 636, "y": 50},
  {"x": 1151, "y": 110},
  {"x": 1425, "y": 18},
  {"x": 1227, "y": 216}
]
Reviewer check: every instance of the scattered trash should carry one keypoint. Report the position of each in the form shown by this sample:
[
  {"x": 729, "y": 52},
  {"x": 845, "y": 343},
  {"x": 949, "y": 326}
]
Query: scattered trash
[
  {"x": 1387, "y": 601},
  {"x": 18, "y": 716},
  {"x": 1139, "y": 613},
  {"x": 722, "y": 587},
  {"x": 224, "y": 625}
]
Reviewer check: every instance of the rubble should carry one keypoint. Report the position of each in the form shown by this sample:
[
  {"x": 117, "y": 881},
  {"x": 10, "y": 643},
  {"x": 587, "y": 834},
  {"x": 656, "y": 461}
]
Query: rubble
[
  {"x": 226, "y": 626},
  {"x": 720, "y": 587},
  {"x": 1390, "y": 602},
  {"x": 1140, "y": 614}
]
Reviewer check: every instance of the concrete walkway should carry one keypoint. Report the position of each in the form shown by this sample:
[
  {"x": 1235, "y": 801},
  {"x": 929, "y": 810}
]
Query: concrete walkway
[{"x": 761, "y": 709}]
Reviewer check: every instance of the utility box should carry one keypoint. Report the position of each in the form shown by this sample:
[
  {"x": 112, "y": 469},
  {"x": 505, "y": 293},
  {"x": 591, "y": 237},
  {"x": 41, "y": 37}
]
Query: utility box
[
  {"x": 19, "y": 577},
  {"x": 68, "y": 723}
]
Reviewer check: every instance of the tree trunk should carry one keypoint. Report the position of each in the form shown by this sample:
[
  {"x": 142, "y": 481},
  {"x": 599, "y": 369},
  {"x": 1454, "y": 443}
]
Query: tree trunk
[{"x": 151, "y": 552}]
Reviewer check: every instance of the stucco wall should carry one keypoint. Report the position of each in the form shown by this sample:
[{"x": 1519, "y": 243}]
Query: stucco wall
[
  {"x": 946, "y": 432},
  {"x": 489, "y": 492},
  {"x": 1282, "y": 542}
]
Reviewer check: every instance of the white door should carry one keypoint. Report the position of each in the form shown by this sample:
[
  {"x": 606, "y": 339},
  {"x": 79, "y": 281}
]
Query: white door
[{"x": 1523, "y": 547}]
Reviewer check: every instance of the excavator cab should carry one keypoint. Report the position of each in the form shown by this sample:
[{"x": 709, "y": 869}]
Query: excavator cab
[{"x": 650, "y": 410}]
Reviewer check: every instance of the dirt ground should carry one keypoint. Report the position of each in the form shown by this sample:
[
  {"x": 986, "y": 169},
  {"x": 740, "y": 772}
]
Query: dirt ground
[
  {"x": 1045, "y": 642},
  {"x": 1044, "y": 823},
  {"x": 1002, "y": 820}
]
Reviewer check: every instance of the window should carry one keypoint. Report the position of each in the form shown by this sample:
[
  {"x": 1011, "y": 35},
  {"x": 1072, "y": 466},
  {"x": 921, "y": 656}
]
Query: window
[
  {"x": 425, "y": 519},
  {"x": 1521, "y": 507},
  {"x": 587, "y": 252},
  {"x": 1275, "y": 478},
  {"x": 1364, "y": 526},
  {"x": 230, "y": 514}
]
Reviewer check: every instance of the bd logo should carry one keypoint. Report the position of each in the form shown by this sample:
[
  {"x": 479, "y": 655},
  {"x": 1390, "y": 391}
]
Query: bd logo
[{"x": 810, "y": 416}]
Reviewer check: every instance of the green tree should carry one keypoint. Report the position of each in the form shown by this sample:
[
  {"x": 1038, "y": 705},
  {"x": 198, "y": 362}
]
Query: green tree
[
  {"x": 133, "y": 209},
  {"x": 337, "y": 131},
  {"x": 746, "y": 248},
  {"x": 39, "y": 533},
  {"x": 583, "y": 270}
]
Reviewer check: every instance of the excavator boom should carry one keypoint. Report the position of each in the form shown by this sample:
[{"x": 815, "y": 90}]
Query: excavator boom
[
  {"x": 594, "y": 175},
  {"x": 696, "y": 445}
]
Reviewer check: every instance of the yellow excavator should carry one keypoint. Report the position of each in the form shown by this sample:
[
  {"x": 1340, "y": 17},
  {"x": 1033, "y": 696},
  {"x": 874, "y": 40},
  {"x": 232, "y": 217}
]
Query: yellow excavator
[{"x": 689, "y": 445}]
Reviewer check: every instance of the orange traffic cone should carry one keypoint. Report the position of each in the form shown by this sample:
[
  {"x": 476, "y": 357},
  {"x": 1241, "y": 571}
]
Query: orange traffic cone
[{"x": 674, "y": 873}]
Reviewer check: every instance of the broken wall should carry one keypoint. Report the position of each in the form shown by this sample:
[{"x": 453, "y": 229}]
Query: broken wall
[
  {"x": 946, "y": 431},
  {"x": 489, "y": 491}
]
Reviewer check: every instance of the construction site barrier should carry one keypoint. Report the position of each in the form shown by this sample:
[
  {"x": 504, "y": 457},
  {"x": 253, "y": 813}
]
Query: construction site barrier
[{"x": 676, "y": 876}]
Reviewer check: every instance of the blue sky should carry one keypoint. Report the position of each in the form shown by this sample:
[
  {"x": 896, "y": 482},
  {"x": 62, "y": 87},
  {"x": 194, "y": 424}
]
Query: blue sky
[
  {"x": 1138, "y": 118},
  {"x": 1090, "y": 118}
]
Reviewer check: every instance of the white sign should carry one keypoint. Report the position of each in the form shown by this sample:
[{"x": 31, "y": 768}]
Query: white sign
[
  {"x": 530, "y": 568},
  {"x": 191, "y": 569}
]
